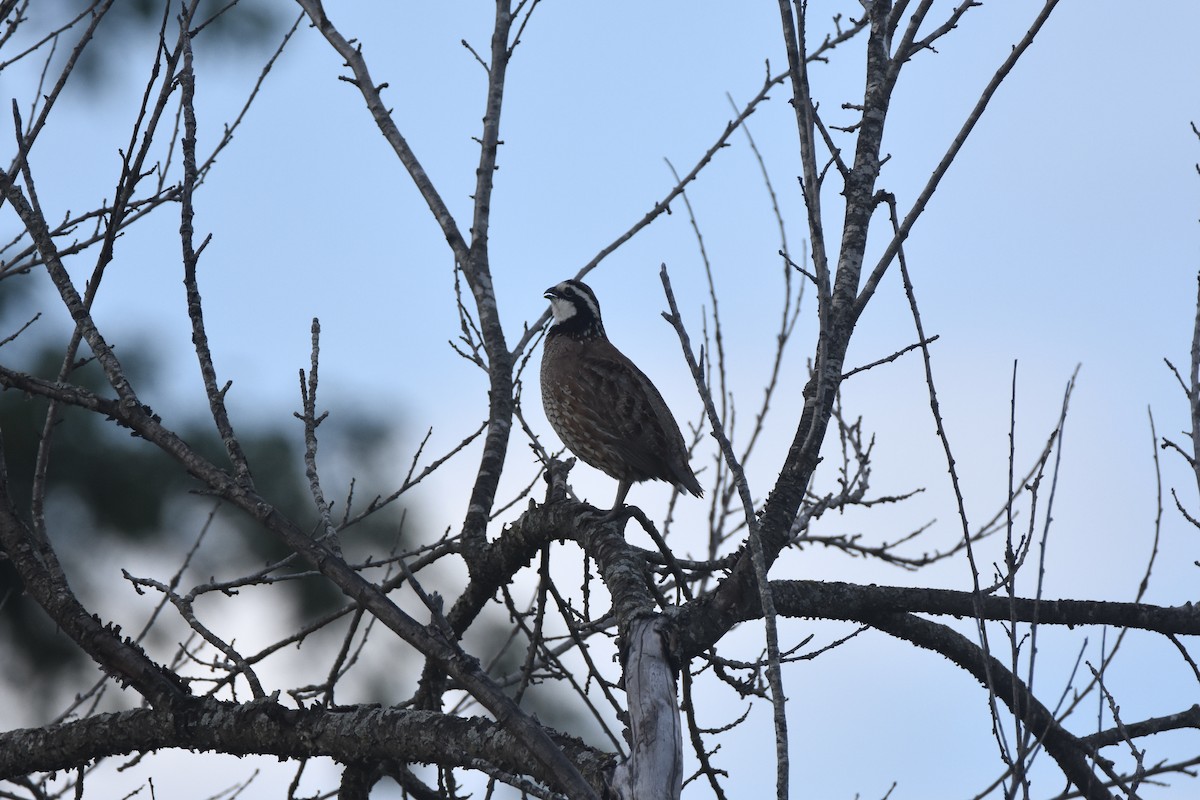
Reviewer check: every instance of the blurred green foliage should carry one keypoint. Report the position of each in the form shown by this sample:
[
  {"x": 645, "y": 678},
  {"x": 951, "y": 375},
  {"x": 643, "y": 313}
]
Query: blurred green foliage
[
  {"x": 108, "y": 492},
  {"x": 235, "y": 28},
  {"x": 107, "y": 489}
]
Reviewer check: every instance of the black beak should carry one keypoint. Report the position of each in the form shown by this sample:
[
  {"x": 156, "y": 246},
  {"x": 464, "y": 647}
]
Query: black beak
[{"x": 550, "y": 294}]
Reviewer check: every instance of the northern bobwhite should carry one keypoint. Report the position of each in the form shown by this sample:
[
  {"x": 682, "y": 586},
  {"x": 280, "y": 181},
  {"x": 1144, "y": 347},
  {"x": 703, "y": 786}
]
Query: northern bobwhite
[{"x": 605, "y": 409}]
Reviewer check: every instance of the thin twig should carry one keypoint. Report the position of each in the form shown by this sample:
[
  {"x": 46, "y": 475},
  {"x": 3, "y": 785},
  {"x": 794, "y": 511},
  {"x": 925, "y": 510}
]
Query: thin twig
[
  {"x": 774, "y": 673},
  {"x": 311, "y": 420},
  {"x": 892, "y": 357},
  {"x": 191, "y": 257},
  {"x": 663, "y": 205}
]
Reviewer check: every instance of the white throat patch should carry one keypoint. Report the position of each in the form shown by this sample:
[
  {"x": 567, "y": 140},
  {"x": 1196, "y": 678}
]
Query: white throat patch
[{"x": 561, "y": 309}]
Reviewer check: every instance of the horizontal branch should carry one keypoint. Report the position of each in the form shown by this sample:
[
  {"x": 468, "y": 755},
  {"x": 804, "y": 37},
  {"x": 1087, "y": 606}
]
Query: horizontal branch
[
  {"x": 268, "y": 728},
  {"x": 835, "y": 600},
  {"x": 1188, "y": 718},
  {"x": 429, "y": 640},
  {"x": 858, "y": 603}
]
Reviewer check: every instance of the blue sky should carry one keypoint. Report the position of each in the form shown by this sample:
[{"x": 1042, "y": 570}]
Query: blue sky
[{"x": 1065, "y": 235}]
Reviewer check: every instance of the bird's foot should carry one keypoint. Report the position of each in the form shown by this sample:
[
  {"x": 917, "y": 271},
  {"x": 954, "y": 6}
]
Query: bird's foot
[{"x": 618, "y": 513}]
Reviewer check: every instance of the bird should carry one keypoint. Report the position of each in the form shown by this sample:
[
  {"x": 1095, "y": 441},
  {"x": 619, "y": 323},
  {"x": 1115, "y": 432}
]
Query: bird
[{"x": 605, "y": 409}]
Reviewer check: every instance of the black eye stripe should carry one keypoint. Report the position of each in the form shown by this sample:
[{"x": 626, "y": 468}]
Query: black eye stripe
[
  {"x": 582, "y": 296},
  {"x": 582, "y": 319}
]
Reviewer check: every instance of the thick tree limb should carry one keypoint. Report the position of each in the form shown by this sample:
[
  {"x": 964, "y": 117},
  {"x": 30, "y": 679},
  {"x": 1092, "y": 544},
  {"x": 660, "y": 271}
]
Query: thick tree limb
[
  {"x": 655, "y": 764},
  {"x": 266, "y": 727},
  {"x": 429, "y": 640},
  {"x": 848, "y": 601},
  {"x": 709, "y": 618}
]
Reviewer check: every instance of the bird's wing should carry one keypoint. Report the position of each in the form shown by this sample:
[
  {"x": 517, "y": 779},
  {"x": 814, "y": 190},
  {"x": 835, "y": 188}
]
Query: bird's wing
[{"x": 631, "y": 415}]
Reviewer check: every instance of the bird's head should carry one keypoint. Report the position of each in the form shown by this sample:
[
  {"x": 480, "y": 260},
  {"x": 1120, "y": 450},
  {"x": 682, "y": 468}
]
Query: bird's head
[{"x": 575, "y": 309}]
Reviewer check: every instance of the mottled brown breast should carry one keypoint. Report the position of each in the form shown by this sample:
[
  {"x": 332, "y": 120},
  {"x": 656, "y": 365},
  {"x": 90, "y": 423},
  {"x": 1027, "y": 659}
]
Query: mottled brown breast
[{"x": 609, "y": 414}]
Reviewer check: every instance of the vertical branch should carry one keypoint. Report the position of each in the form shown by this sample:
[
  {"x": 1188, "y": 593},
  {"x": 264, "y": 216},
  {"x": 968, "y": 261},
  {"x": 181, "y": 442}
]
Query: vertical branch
[
  {"x": 477, "y": 271},
  {"x": 489, "y": 141},
  {"x": 1025, "y": 745},
  {"x": 722, "y": 494},
  {"x": 698, "y": 749},
  {"x": 707, "y": 620},
  {"x": 1193, "y": 389},
  {"x": 191, "y": 257},
  {"x": 788, "y": 315},
  {"x": 655, "y": 764},
  {"x": 802, "y": 104},
  {"x": 1016, "y": 764},
  {"x": 935, "y": 409},
  {"x": 774, "y": 672},
  {"x": 132, "y": 167},
  {"x": 836, "y": 325},
  {"x": 308, "y": 396},
  {"x": 473, "y": 258},
  {"x": 1158, "y": 510}
]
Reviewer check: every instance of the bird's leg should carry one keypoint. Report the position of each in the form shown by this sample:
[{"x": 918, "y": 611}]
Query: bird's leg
[
  {"x": 620, "y": 511},
  {"x": 622, "y": 490}
]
